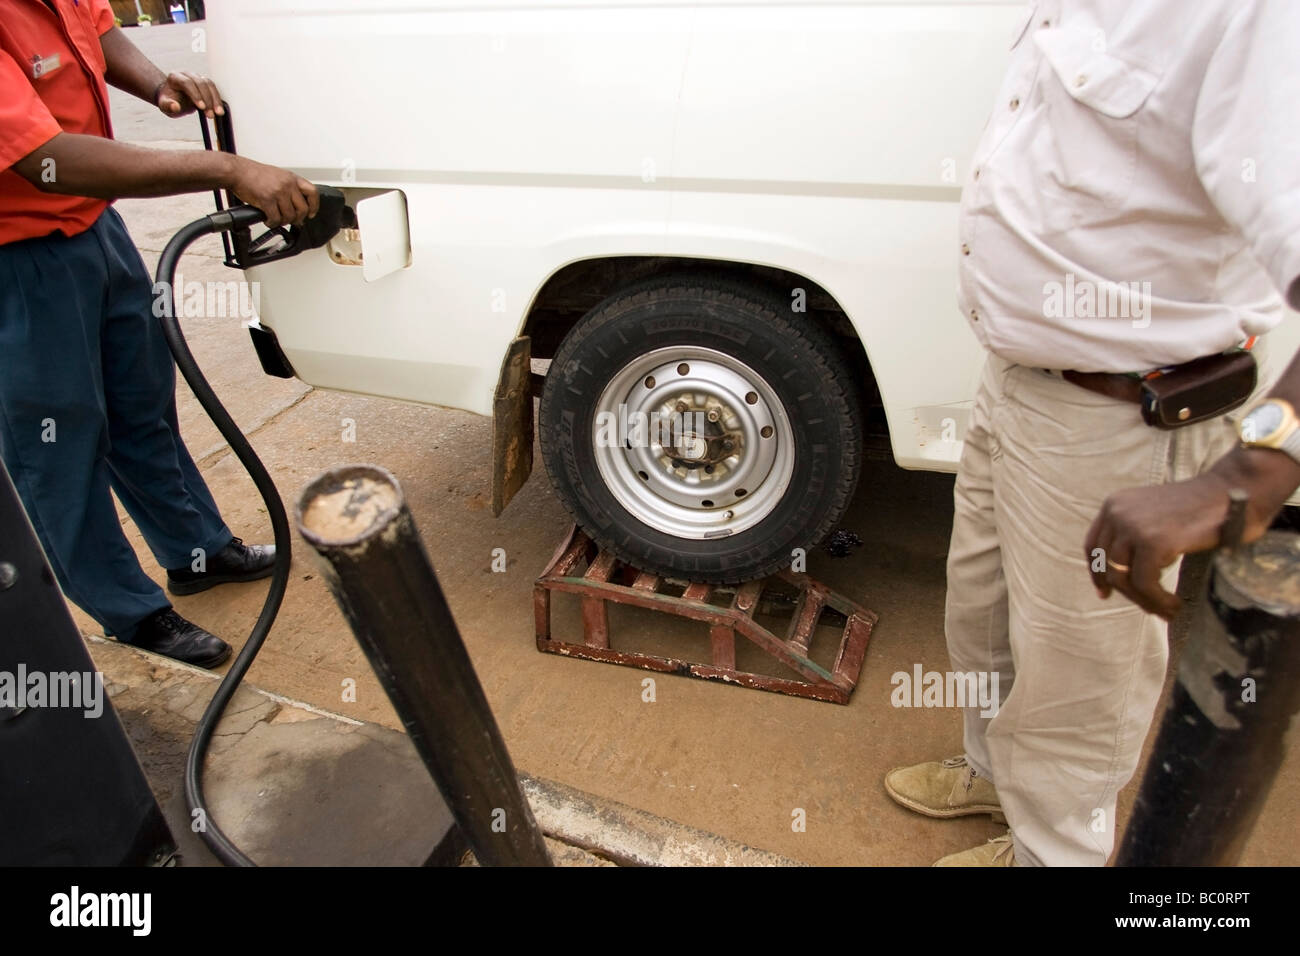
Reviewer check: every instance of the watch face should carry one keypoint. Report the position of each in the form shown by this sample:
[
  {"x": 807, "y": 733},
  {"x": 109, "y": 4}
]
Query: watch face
[{"x": 1262, "y": 422}]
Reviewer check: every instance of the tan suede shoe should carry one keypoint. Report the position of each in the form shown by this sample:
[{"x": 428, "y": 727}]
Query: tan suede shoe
[
  {"x": 944, "y": 788},
  {"x": 997, "y": 852}
]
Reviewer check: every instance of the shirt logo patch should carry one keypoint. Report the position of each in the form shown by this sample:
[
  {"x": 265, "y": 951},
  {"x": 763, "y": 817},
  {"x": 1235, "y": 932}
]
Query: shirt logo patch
[{"x": 44, "y": 65}]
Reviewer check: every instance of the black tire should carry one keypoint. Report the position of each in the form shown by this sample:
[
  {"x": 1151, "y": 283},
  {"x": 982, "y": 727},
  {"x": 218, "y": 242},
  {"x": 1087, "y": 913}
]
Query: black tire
[
  {"x": 796, "y": 361},
  {"x": 1288, "y": 519}
]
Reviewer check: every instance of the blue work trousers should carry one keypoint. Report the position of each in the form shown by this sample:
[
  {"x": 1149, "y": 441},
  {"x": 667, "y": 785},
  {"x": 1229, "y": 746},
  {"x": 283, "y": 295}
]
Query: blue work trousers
[{"x": 87, "y": 404}]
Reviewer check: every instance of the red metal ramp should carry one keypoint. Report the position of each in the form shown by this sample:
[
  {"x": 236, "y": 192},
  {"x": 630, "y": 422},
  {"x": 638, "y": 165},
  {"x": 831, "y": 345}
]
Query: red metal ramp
[{"x": 579, "y": 567}]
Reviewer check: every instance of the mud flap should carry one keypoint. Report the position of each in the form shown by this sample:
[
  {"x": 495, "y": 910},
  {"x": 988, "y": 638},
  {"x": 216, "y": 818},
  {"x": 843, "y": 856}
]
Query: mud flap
[{"x": 512, "y": 425}]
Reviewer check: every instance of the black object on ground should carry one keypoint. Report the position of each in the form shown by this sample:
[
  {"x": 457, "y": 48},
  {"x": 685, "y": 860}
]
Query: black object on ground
[
  {"x": 357, "y": 520},
  {"x": 841, "y": 543},
  {"x": 1221, "y": 740},
  {"x": 73, "y": 791}
]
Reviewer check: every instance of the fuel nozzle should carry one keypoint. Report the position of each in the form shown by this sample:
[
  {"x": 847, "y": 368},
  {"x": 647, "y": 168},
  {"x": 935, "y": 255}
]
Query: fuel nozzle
[{"x": 283, "y": 242}]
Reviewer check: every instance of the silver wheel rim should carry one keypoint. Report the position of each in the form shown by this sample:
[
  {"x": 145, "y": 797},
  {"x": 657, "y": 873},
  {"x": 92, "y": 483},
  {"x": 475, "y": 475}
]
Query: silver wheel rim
[{"x": 693, "y": 442}]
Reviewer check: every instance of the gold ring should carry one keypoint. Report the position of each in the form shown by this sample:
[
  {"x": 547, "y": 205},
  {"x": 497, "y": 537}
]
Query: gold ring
[{"x": 1118, "y": 567}]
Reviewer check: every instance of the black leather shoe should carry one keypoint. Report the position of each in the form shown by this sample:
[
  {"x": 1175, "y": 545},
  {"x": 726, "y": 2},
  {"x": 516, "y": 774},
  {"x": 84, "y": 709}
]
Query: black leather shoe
[
  {"x": 166, "y": 632},
  {"x": 235, "y": 562}
]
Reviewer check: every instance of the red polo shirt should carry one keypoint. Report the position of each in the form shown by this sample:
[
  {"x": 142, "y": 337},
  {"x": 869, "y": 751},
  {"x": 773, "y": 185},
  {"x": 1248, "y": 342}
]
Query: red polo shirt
[{"x": 51, "y": 81}]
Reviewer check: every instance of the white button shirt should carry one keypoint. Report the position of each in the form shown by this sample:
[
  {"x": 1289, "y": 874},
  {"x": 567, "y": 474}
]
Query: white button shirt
[{"x": 1134, "y": 201}]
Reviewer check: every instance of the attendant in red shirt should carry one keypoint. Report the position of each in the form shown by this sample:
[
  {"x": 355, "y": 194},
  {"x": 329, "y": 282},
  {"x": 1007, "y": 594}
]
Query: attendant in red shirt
[{"x": 87, "y": 385}]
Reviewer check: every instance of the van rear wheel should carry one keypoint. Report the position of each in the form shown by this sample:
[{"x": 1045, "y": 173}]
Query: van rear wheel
[{"x": 700, "y": 429}]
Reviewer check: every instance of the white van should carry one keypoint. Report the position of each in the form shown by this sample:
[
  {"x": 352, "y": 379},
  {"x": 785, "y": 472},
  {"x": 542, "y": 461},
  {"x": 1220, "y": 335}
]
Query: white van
[{"x": 730, "y": 226}]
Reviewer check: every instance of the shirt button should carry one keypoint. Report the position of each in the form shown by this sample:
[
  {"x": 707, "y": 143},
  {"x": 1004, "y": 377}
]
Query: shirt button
[
  {"x": 977, "y": 173},
  {"x": 1080, "y": 80},
  {"x": 974, "y": 315},
  {"x": 965, "y": 249},
  {"x": 1015, "y": 103}
]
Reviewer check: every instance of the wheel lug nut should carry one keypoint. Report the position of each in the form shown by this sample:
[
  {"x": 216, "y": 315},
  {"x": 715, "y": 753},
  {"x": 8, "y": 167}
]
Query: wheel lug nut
[
  {"x": 681, "y": 408},
  {"x": 713, "y": 415}
]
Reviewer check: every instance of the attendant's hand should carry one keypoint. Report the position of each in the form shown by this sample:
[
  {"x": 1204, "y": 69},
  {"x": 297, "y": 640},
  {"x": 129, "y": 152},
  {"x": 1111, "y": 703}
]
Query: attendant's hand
[
  {"x": 182, "y": 93},
  {"x": 285, "y": 197}
]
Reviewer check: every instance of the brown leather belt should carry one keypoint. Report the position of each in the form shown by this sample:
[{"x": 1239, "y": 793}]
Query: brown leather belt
[
  {"x": 1183, "y": 394},
  {"x": 1122, "y": 387}
]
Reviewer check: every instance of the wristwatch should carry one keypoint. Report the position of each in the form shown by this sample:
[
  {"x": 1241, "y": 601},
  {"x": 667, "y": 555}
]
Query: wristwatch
[{"x": 1272, "y": 424}]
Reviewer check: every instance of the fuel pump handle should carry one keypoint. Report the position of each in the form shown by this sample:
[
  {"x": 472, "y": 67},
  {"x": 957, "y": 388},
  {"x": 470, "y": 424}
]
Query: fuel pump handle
[{"x": 284, "y": 242}]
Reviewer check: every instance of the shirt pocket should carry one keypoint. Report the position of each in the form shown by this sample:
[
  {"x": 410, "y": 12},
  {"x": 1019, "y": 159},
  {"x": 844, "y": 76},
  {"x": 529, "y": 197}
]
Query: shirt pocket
[{"x": 1094, "y": 100}]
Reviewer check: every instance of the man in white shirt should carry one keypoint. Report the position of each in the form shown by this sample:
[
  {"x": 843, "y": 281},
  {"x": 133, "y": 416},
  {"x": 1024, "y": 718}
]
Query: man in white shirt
[{"x": 1134, "y": 205}]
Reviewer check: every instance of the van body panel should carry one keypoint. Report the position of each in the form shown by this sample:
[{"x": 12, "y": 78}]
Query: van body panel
[{"x": 828, "y": 140}]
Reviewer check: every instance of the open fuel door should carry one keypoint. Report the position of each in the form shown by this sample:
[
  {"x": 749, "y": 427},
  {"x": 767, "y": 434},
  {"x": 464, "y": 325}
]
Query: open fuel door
[{"x": 385, "y": 234}]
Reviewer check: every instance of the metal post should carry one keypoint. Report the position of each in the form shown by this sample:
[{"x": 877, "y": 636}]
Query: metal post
[
  {"x": 376, "y": 566},
  {"x": 1221, "y": 739}
]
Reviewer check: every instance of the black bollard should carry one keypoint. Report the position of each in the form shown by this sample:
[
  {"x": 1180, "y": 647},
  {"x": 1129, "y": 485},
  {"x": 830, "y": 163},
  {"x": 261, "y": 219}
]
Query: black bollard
[
  {"x": 376, "y": 566},
  {"x": 1221, "y": 740}
]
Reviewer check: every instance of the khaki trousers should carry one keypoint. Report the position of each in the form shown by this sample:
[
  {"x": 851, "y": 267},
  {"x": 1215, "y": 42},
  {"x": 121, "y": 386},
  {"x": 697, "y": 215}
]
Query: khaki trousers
[{"x": 1079, "y": 677}]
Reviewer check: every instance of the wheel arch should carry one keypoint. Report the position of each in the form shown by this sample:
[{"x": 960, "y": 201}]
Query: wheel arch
[{"x": 572, "y": 290}]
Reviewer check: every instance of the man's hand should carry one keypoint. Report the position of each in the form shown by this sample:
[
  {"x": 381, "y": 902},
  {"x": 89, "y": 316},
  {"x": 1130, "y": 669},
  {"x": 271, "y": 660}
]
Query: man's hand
[
  {"x": 182, "y": 93},
  {"x": 1141, "y": 531},
  {"x": 284, "y": 196}
]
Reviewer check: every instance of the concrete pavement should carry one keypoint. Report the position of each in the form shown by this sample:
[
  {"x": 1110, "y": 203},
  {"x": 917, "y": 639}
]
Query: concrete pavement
[
  {"x": 743, "y": 764},
  {"x": 292, "y": 785}
]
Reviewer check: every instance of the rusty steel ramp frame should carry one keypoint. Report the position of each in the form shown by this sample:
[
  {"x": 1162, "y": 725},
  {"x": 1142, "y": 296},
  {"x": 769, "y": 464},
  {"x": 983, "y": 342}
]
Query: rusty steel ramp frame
[{"x": 581, "y": 568}]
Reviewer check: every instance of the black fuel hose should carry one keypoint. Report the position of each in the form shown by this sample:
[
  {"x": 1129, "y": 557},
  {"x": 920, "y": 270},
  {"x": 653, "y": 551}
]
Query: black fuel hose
[{"x": 238, "y": 217}]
